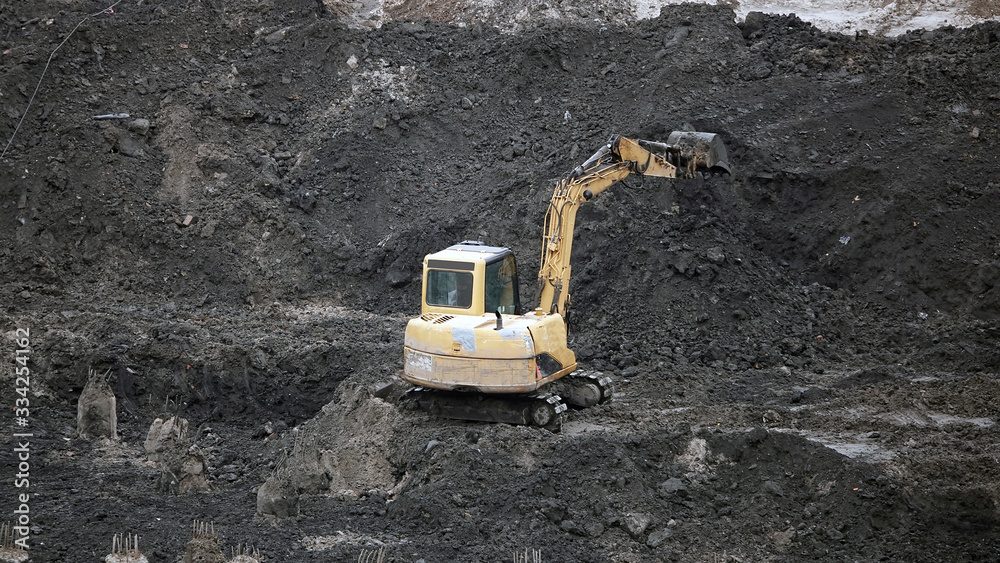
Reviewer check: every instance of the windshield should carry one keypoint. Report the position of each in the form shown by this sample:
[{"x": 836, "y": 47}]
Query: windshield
[{"x": 449, "y": 289}]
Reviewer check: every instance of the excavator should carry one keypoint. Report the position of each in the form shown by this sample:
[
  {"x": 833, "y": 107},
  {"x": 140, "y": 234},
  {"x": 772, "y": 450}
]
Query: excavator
[{"x": 476, "y": 353}]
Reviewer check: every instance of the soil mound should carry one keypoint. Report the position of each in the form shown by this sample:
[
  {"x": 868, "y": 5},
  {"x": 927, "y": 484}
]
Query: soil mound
[{"x": 804, "y": 352}]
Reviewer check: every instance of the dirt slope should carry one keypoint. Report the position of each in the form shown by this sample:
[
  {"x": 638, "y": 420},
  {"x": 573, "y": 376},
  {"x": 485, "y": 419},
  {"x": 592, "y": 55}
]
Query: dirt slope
[{"x": 805, "y": 350}]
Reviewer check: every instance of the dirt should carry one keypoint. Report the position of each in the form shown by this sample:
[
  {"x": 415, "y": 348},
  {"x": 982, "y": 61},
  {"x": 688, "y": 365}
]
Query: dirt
[{"x": 805, "y": 352}]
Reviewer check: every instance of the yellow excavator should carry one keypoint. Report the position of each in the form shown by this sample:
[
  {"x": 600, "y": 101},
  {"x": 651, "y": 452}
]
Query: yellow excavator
[{"x": 474, "y": 353}]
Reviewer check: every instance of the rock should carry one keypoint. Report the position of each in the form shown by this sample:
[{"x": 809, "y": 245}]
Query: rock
[
  {"x": 715, "y": 352},
  {"x": 276, "y": 37},
  {"x": 262, "y": 431},
  {"x": 209, "y": 229},
  {"x": 594, "y": 529},
  {"x": 756, "y": 436},
  {"x": 753, "y": 23},
  {"x": 554, "y": 513},
  {"x": 140, "y": 126},
  {"x": 277, "y": 498},
  {"x": 773, "y": 488},
  {"x": 306, "y": 201},
  {"x": 384, "y": 390},
  {"x": 348, "y": 494},
  {"x": 431, "y": 445},
  {"x": 630, "y": 371},
  {"x": 658, "y": 537},
  {"x": 673, "y": 486},
  {"x": 678, "y": 36},
  {"x": 783, "y": 538},
  {"x": 811, "y": 395},
  {"x": 681, "y": 261},
  {"x": 397, "y": 277},
  {"x": 345, "y": 251},
  {"x": 129, "y": 147},
  {"x": 635, "y": 523},
  {"x": 572, "y": 527},
  {"x": 96, "y": 411},
  {"x": 757, "y": 72},
  {"x": 715, "y": 255}
]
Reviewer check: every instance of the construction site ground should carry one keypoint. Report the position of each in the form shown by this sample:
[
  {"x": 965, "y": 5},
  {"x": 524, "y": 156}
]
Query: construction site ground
[{"x": 805, "y": 353}]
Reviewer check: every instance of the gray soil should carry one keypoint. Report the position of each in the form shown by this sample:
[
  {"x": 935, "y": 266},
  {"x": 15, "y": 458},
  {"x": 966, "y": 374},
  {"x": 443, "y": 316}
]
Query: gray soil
[{"x": 805, "y": 352}]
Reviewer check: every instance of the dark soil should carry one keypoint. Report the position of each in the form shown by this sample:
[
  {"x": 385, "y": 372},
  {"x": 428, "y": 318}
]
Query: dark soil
[{"x": 805, "y": 352}]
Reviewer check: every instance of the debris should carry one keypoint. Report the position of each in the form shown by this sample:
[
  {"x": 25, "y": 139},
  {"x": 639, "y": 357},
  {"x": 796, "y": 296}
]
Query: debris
[
  {"x": 715, "y": 255},
  {"x": 125, "y": 549},
  {"x": 277, "y": 36},
  {"x": 96, "y": 413},
  {"x": 140, "y": 126},
  {"x": 9, "y": 550},
  {"x": 673, "y": 486},
  {"x": 245, "y": 554},
  {"x": 277, "y": 497},
  {"x": 384, "y": 389},
  {"x": 204, "y": 545},
  {"x": 635, "y": 523},
  {"x": 113, "y": 116},
  {"x": 375, "y": 556},
  {"x": 163, "y": 435},
  {"x": 845, "y": 240},
  {"x": 532, "y": 556},
  {"x": 658, "y": 537}
]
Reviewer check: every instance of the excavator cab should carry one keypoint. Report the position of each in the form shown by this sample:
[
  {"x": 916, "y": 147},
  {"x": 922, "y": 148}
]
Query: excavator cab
[
  {"x": 471, "y": 278},
  {"x": 472, "y": 334}
]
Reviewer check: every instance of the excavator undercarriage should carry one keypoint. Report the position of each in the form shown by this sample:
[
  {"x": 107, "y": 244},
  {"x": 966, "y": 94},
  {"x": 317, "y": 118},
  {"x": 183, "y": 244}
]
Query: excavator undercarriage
[{"x": 579, "y": 389}]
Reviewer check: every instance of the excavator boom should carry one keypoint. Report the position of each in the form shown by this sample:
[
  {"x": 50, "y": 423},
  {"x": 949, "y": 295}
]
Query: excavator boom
[{"x": 683, "y": 156}]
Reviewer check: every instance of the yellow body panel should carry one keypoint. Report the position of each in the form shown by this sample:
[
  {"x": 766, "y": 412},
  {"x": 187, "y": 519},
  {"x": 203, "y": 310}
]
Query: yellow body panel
[{"x": 467, "y": 352}]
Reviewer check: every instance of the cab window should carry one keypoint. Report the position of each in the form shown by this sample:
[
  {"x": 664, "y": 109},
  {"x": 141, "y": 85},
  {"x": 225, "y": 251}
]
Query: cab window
[
  {"x": 449, "y": 289},
  {"x": 501, "y": 286}
]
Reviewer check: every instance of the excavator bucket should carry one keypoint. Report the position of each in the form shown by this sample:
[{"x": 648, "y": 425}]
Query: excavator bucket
[{"x": 702, "y": 151}]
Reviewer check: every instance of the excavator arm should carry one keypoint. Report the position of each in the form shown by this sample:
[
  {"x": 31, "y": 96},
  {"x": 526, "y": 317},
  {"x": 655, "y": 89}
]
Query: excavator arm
[{"x": 684, "y": 155}]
